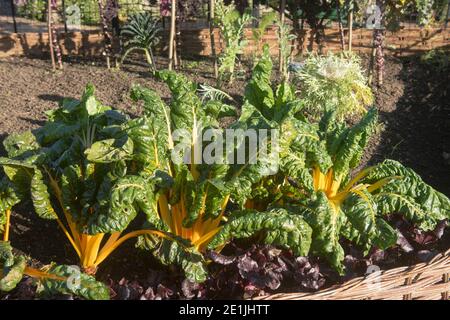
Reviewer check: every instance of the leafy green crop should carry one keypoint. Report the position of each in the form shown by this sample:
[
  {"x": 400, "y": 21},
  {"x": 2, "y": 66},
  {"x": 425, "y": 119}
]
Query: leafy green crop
[
  {"x": 189, "y": 206},
  {"x": 337, "y": 203},
  {"x": 316, "y": 178},
  {"x": 285, "y": 40},
  {"x": 265, "y": 21},
  {"x": 50, "y": 280},
  {"x": 142, "y": 32},
  {"x": 336, "y": 82},
  {"x": 73, "y": 180},
  {"x": 268, "y": 107},
  {"x": 263, "y": 103},
  {"x": 231, "y": 25}
]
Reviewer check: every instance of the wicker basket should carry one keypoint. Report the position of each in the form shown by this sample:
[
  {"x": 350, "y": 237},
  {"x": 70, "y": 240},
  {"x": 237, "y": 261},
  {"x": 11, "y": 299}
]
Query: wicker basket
[{"x": 424, "y": 281}]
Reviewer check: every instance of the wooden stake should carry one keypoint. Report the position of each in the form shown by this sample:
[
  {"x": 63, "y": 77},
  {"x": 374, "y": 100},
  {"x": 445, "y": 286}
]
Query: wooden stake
[
  {"x": 56, "y": 47},
  {"x": 172, "y": 33},
  {"x": 212, "y": 38},
  {"x": 13, "y": 12},
  {"x": 107, "y": 37},
  {"x": 282, "y": 20},
  {"x": 341, "y": 29},
  {"x": 350, "y": 28},
  {"x": 50, "y": 36}
]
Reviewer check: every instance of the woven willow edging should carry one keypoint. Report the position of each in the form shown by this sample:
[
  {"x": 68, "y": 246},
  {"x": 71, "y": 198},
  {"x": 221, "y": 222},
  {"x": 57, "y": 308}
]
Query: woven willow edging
[{"x": 423, "y": 281}]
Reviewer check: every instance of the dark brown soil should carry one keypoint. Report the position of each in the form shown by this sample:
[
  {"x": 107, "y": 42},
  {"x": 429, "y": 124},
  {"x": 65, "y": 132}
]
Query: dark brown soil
[
  {"x": 414, "y": 115},
  {"x": 415, "y": 111},
  {"x": 413, "y": 104}
]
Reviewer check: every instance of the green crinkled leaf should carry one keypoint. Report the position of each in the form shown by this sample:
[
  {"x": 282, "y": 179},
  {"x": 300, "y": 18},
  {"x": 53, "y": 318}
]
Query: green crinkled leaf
[
  {"x": 90, "y": 105},
  {"x": 75, "y": 282},
  {"x": 72, "y": 188},
  {"x": 126, "y": 196},
  {"x": 280, "y": 228},
  {"x": 174, "y": 253},
  {"x": 13, "y": 274},
  {"x": 352, "y": 147},
  {"x": 326, "y": 224},
  {"x": 150, "y": 138},
  {"x": 54, "y": 131},
  {"x": 363, "y": 214},
  {"x": 385, "y": 236},
  {"x": 19, "y": 173},
  {"x": 258, "y": 91},
  {"x": 150, "y": 133},
  {"x": 41, "y": 197},
  {"x": 110, "y": 150},
  {"x": 308, "y": 142},
  {"x": 408, "y": 194},
  {"x": 185, "y": 105},
  {"x": 293, "y": 166},
  {"x": 17, "y": 144},
  {"x": 6, "y": 254},
  {"x": 8, "y": 198},
  {"x": 217, "y": 110}
]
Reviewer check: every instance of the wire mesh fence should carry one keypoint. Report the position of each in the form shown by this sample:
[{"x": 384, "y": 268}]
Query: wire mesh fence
[{"x": 21, "y": 16}]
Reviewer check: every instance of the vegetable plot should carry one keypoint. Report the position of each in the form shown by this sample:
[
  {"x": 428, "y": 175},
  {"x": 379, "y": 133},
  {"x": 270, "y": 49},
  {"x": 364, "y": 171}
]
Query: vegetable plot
[{"x": 93, "y": 170}]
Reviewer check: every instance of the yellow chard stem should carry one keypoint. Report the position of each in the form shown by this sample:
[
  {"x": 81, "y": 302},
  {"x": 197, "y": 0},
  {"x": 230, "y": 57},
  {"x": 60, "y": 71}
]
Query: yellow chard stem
[
  {"x": 358, "y": 177},
  {"x": 316, "y": 178},
  {"x": 107, "y": 251},
  {"x": 8, "y": 221},
  {"x": 85, "y": 253},
  {"x": 165, "y": 211},
  {"x": 335, "y": 185},
  {"x": 35, "y": 273},
  {"x": 205, "y": 238},
  {"x": 111, "y": 240},
  {"x": 198, "y": 225},
  {"x": 379, "y": 184},
  {"x": 96, "y": 241},
  {"x": 83, "y": 242},
  {"x": 72, "y": 242}
]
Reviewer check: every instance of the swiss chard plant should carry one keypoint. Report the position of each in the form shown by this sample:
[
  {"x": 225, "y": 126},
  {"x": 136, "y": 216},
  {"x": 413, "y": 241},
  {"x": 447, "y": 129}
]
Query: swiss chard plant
[
  {"x": 270, "y": 106},
  {"x": 53, "y": 166},
  {"x": 187, "y": 200},
  {"x": 317, "y": 178},
  {"x": 338, "y": 202},
  {"x": 51, "y": 279}
]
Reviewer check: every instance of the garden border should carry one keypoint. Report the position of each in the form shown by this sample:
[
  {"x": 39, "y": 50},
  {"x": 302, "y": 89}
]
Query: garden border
[
  {"x": 423, "y": 281},
  {"x": 197, "y": 41}
]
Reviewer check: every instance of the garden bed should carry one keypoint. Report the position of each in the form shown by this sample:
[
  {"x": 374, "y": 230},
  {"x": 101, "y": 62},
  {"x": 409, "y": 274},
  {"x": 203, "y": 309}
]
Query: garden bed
[{"x": 414, "y": 114}]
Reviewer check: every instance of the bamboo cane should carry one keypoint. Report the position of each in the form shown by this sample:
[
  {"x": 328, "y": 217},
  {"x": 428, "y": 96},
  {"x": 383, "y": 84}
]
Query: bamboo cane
[
  {"x": 350, "y": 28},
  {"x": 50, "y": 35},
  {"x": 211, "y": 35},
  {"x": 282, "y": 20},
  {"x": 172, "y": 33}
]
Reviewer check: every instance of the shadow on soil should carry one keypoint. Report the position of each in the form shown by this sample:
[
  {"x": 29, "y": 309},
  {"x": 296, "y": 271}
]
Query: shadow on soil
[{"x": 417, "y": 129}]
